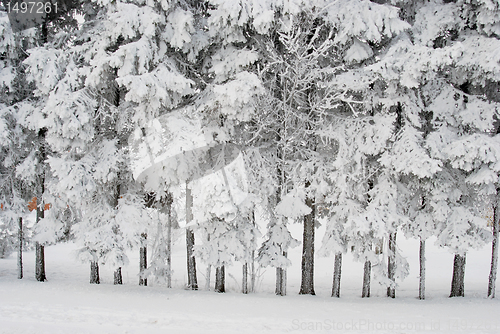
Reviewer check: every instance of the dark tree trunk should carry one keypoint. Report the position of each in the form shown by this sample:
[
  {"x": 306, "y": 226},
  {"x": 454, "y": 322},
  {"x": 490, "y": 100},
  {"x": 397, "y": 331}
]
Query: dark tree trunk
[
  {"x": 94, "y": 273},
  {"x": 280, "y": 272},
  {"x": 191, "y": 261},
  {"x": 143, "y": 260},
  {"x": 220, "y": 279},
  {"x": 494, "y": 254},
  {"x": 281, "y": 280},
  {"x": 252, "y": 262},
  {"x": 391, "y": 266},
  {"x": 366, "y": 279},
  {"x": 244, "y": 283},
  {"x": 307, "y": 285},
  {"x": 457, "y": 283},
  {"x": 40, "y": 249},
  {"x": 118, "y": 276},
  {"x": 40, "y": 263},
  {"x": 421, "y": 286},
  {"x": 337, "y": 273},
  {"x": 20, "y": 249}
]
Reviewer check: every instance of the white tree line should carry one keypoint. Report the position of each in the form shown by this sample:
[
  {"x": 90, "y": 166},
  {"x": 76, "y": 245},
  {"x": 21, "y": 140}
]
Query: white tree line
[{"x": 374, "y": 117}]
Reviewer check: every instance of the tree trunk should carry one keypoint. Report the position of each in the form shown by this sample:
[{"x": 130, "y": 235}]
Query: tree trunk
[
  {"x": 118, "y": 276},
  {"x": 421, "y": 286},
  {"x": 244, "y": 283},
  {"x": 494, "y": 254},
  {"x": 281, "y": 280},
  {"x": 337, "y": 272},
  {"x": 391, "y": 266},
  {"x": 457, "y": 283},
  {"x": 209, "y": 273},
  {"x": 143, "y": 260},
  {"x": 366, "y": 279},
  {"x": 94, "y": 272},
  {"x": 40, "y": 263},
  {"x": 252, "y": 274},
  {"x": 307, "y": 285},
  {"x": 252, "y": 262},
  {"x": 191, "y": 261},
  {"x": 20, "y": 249},
  {"x": 169, "y": 241},
  {"x": 40, "y": 249},
  {"x": 220, "y": 276}
]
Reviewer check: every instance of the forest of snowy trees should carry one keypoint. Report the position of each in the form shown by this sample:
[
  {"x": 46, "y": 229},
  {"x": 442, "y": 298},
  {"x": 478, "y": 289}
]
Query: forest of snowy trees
[{"x": 126, "y": 122}]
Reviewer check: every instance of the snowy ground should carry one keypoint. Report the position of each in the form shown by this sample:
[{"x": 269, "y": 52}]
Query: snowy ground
[{"x": 67, "y": 303}]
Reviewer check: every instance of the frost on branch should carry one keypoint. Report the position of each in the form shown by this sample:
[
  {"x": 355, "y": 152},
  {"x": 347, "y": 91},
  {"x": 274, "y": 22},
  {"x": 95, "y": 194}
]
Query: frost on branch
[
  {"x": 44, "y": 68},
  {"x": 129, "y": 20},
  {"x": 236, "y": 98},
  {"x": 179, "y": 28},
  {"x": 163, "y": 87},
  {"x": 408, "y": 155},
  {"x": 463, "y": 230},
  {"x": 365, "y": 20},
  {"x": 434, "y": 20},
  {"x": 229, "y": 61},
  {"x": 278, "y": 240}
]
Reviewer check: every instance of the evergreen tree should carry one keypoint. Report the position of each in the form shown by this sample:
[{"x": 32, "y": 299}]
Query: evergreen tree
[{"x": 443, "y": 64}]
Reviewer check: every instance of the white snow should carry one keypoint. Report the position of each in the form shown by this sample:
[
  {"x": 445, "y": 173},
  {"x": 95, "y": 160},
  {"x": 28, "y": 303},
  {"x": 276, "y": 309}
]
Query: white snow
[
  {"x": 67, "y": 303},
  {"x": 292, "y": 207}
]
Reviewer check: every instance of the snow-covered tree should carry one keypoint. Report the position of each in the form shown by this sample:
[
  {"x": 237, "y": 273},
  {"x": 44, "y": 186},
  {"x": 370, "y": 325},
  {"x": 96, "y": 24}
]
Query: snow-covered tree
[
  {"x": 221, "y": 216},
  {"x": 438, "y": 74},
  {"x": 19, "y": 144},
  {"x": 301, "y": 48},
  {"x": 125, "y": 65}
]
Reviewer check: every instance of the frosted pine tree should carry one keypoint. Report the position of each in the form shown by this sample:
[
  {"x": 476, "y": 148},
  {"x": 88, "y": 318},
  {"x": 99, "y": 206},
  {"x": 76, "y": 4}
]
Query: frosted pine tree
[
  {"x": 297, "y": 60},
  {"x": 220, "y": 216},
  {"x": 14, "y": 144},
  {"x": 448, "y": 72},
  {"x": 118, "y": 74},
  {"x": 25, "y": 154},
  {"x": 355, "y": 101}
]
